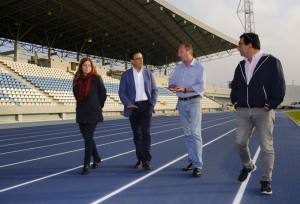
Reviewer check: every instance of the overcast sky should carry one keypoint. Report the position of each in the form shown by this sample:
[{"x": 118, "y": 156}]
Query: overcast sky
[{"x": 277, "y": 23}]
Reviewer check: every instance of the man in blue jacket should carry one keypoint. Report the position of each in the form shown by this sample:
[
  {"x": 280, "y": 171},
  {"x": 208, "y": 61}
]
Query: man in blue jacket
[
  {"x": 138, "y": 93},
  {"x": 257, "y": 88}
]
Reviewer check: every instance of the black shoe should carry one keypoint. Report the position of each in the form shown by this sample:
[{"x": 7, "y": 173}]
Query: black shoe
[
  {"x": 197, "y": 172},
  {"x": 265, "y": 187},
  {"x": 85, "y": 169},
  {"x": 97, "y": 161},
  {"x": 138, "y": 165},
  {"x": 188, "y": 167},
  {"x": 245, "y": 172},
  {"x": 147, "y": 165},
  {"x": 95, "y": 166}
]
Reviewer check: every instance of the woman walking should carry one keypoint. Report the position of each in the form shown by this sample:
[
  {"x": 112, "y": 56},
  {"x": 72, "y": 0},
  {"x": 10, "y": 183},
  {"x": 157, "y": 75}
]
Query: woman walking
[{"x": 90, "y": 95}]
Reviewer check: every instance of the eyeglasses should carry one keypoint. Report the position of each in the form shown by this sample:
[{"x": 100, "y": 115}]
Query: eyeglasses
[{"x": 139, "y": 58}]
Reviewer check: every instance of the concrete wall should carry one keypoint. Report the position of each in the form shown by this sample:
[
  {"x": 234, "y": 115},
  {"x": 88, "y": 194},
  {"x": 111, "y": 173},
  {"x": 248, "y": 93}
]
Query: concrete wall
[{"x": 12, "y": 114}]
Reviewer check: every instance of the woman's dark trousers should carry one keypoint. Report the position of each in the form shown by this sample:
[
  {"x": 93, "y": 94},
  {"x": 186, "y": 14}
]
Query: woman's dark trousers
[{"x": 87, "y": 130}]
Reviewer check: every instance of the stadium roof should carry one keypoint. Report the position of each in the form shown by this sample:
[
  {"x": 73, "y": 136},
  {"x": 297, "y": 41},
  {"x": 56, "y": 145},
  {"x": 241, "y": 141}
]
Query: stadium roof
[{"x": 110, "y": 28}]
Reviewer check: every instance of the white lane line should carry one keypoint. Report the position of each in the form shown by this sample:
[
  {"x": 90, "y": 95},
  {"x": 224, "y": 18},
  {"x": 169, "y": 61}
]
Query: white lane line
[
  {"x": 61, "y": 137},
  {"x": 62, "y": 153},
  {"x": 152, "y": 173},
  {"x": 76, "y": 150},
  {"x": 76, "y": 133},
  {"x": 217, "y": 124},
  {"x": 39, "y": 147},
  {"x": 68, "y": 170},
  {"x": 103, "y": 129},
  {"x": 137, "y": 181},
  {"x": 243, "y": 186},
  {"x": 109, "y": 135},
  {"x": 55, "y": 133}
]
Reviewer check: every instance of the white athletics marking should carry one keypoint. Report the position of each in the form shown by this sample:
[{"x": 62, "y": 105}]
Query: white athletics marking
[
  {"x": 152, "y": 173},
  {"x": 243, "y": 186},
  {"x": 62, "y": 172},
  {"x": 121, "y": 154}
]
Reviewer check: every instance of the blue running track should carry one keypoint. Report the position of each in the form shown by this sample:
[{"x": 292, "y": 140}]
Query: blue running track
[{"x": 42, "y": 164}]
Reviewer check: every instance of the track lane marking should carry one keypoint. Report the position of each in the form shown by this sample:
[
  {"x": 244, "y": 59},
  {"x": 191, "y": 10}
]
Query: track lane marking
[
  {"x": 81, "y": 149},
  {"x": 243, "y": 186},
  {"x": 62, "y": 143},
  {"x": 68, "y": 170},
  {"x": 61, "y": 137},
  {"x": 119, "y": 190},
  {"x": 124, "y": 153}
]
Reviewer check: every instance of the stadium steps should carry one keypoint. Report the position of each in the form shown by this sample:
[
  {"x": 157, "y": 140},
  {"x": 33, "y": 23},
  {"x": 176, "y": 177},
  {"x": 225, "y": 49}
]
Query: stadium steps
[{"x": 21, "y": 78}]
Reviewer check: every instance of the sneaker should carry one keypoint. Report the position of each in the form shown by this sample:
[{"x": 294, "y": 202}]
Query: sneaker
[
  {"x": 265, "y": 187},
  {"x": 97, "y": 160},
  {"x": 197, "y": 172},
  {"x": 147, "y": 165},
  {"x": 245, "y": 171},
  {"x": 188, "y": 167},
  {"x": 138, "y": 165},
  {"x": 85, "y": 169}
]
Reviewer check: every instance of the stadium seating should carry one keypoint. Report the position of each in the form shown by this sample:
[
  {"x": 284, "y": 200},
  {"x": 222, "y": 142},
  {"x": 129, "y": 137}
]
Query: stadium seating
[
  {"x": 55, "y": 83},
  {"x": 14, "y": 92},
  {"x": 52, "y": 86}
]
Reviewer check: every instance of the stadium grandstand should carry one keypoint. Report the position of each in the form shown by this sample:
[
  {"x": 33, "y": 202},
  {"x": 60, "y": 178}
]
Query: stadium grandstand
[
  {"x": 43, "y": 41},
  {"x": 29, "y": 92}
]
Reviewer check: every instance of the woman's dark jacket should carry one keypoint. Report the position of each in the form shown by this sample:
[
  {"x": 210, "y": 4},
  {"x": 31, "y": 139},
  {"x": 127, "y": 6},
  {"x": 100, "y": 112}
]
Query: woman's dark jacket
[
  {"x": 266, "y": 87},
  {"x": 90, "y": 111}
]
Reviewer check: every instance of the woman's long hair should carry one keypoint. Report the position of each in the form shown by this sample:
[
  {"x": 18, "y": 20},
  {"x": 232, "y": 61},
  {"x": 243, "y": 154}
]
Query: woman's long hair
[{"x": 79, "y": 70}]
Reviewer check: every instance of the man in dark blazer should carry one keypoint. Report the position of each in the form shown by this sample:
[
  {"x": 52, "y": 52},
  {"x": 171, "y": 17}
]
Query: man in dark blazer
[{"x": 138, "y": 93}]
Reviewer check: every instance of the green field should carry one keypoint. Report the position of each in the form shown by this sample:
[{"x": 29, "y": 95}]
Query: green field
[{"x": 295, "y": 115}]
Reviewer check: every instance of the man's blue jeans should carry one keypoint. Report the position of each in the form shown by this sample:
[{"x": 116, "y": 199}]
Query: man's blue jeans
[{"x": 190, "y": 116}]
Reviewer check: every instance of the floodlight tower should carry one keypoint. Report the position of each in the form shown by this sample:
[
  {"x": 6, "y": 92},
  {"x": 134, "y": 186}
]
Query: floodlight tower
[{"x": 246, "y": 10}]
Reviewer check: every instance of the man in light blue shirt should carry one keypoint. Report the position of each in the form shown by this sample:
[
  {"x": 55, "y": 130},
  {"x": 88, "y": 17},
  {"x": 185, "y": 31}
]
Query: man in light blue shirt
[{"x": 188, "y": 81}]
